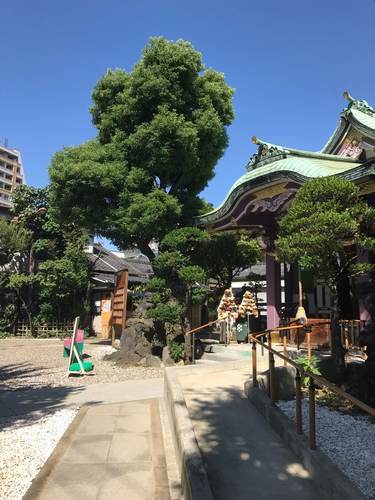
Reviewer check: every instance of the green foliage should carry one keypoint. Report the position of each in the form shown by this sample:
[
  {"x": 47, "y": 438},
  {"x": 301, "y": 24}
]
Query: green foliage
[
  {"x": 228, "y": 254},
  {"x": 325, "y": 225},
  {"x": 13, "y": 241},
  {"x": 176, "y": 350},
  {"x": 190, "y": 256},
  {"x": 325, "y": 220},
  {"x": 4, "y": 335},
  {"x": 308, "y": 364},
  {"x": 192, "y": 275},
  {"x": 51, "y": 278},
  {"x": 169, "y": 312},
  {"x": 161, "y": 131},
  {"x": 61, "y": 280}
]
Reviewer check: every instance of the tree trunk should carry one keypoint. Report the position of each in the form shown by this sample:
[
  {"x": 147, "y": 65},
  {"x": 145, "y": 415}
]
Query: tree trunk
[
  {"x": 146, "y": 250},
  {"x": 344, "y": 296},
  {"x": 337, "y": 349},
  {"x": 188, "y": 326}
]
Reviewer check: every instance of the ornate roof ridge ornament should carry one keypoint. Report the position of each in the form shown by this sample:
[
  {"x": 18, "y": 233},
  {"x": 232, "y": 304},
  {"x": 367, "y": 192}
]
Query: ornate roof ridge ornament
[
  {"x": 266, "y": 153},
  {"x": 359, "y": 104}
]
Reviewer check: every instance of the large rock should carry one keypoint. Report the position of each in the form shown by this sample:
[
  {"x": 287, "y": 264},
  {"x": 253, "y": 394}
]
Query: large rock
[
  {"x": 166, "y": 357},
  {"x": 137, "y": 345}
]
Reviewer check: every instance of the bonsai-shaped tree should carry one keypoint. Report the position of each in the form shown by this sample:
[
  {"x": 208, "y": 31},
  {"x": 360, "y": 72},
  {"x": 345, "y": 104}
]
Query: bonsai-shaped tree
[{"x": 322, "y": 230}]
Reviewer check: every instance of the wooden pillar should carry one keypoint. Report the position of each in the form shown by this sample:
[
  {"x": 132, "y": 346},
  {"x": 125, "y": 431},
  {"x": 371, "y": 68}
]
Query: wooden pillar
[{"x": 273, "y": 279}]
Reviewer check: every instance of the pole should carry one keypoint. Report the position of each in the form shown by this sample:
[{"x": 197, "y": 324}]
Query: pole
[
  {"x": 254, "y": 359},
  {"x": 312, "y": 428},
  {"x": 193, "y": 351},
  {"x": 272, "y": 379},
  {"x": 308, "y": 334},
  {"x": 269, "y": 363},
  {"x": 285, "y": 348},
  {"x": 248, "y": 326},
  {"x": 298, "y": 403}
]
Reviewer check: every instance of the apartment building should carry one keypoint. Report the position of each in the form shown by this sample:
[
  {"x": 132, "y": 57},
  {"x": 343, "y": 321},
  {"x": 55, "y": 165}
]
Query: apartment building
[{"x": 11, "y": 176}]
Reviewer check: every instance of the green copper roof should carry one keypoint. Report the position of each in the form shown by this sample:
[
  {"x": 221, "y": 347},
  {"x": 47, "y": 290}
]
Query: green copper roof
[
  {"x": 359, "y": 115},
  {"x": 272, "y": 162},
  {"x": 295, "y": 164},
  {"x": 365, "y": 119}
]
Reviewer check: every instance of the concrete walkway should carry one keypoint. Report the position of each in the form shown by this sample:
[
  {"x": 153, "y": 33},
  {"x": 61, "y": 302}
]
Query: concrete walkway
[
  {"x": 244, "y": 457},
  {"x": 120, "y": 447},
  {"x": 113, "y": 451},
  {"x": 33, "y": 402}
]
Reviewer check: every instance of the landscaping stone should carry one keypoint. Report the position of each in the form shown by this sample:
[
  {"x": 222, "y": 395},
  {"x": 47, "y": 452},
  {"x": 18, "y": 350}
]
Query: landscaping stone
[
  {"x": 137, "y": 347},
  {"x": 285, "y": 382},
  {"x": 166, "y": 358}
]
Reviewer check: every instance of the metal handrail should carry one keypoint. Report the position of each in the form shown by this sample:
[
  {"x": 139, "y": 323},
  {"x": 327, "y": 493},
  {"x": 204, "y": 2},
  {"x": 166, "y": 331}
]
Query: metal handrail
[
  {"x": 300, "y": 372},
  {"x": 193, "y": 332}
]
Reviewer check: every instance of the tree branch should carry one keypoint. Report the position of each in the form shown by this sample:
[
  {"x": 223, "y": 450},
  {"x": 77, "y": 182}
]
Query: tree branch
[{"x": 146, "y": 250}]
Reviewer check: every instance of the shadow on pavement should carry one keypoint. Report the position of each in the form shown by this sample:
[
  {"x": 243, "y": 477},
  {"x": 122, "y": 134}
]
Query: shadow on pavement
[
  {"x": 243, "y": 456},
  {"x": 27, "y": 404}
]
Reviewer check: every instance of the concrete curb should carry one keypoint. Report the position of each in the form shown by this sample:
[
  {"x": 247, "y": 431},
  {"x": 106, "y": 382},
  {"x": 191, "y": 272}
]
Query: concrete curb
[
  {"x": 194, "y": 480},
  {"x": 43, "y": 475},
  {"x": 331, "y": 483}
]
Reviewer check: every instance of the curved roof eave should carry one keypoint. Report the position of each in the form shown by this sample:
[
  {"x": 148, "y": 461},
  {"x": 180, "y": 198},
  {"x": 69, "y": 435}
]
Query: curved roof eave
[
  {"x": 360, "y": 115},
  {"x": 298, "y": 169}
]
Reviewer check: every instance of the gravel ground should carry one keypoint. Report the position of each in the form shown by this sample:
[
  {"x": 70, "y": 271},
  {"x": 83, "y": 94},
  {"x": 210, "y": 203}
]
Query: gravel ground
[
  {"x": 25, "y": 448},
  {"x": 26, "y": 363},
  {"x": 27, "y": 442},
  {"x": 349, "y": 441}
]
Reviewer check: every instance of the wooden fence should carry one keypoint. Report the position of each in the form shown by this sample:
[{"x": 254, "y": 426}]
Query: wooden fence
[{"x": 51, "y": 329}]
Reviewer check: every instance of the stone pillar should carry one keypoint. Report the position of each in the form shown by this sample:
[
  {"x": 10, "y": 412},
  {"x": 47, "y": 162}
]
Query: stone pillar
[
  {"x": 273, "y": 279},
  {"x": 364, "y": 314}
]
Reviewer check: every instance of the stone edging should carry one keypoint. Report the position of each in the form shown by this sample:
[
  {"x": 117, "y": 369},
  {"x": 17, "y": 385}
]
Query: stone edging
[
  {"x": 194, "y": 481},
  {"x": 43, "y": 475},
  {"x": 331, "y": 483}
]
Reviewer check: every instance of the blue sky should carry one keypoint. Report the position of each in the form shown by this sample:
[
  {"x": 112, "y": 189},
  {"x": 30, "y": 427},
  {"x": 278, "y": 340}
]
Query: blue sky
[{"x": 289, "y": 62}]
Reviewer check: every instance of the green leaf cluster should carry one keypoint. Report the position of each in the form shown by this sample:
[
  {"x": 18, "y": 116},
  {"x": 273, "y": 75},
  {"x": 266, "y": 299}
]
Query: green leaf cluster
[
  {"x": 322, "y": 227},
  {"x": 193, "y": 263},
  {"x": 308, "y": 364},
  {"x": 161, "y": 130},
  {"x": 13, "y": 241},
  {"x": 176, "y": 350},
  {"x": 47, "y": 272}
]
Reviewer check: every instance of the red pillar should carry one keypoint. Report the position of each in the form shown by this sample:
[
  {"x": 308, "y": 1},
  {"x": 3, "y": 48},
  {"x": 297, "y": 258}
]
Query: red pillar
[
  {"x": 364, "y": 315},
  {"x": 273, "y": 279}
]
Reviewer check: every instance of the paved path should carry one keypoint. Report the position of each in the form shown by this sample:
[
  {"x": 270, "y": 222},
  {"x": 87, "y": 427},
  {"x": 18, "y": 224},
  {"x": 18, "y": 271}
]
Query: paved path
[
  {"x": 244, "y": 457},
  {"x": 113, "y": 451},
  {"x": 33, "y": 402}
]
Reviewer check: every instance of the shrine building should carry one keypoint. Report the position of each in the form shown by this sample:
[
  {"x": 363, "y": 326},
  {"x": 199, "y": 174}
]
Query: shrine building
[{"x": 274, "y": 174}]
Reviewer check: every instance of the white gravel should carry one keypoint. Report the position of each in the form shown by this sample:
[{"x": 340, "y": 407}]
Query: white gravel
[
  {"x": 349, "y": 441},
  {"x": 25, "y": 447}
]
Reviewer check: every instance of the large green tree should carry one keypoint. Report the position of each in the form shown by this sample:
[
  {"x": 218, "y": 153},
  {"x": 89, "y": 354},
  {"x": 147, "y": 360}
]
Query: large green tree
[
  {"x": 161, "y": 130},
  {"x": 14, "y": 244},
  {"x": 52, "y": 278},
  {"x": 321, "y": 231}
]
